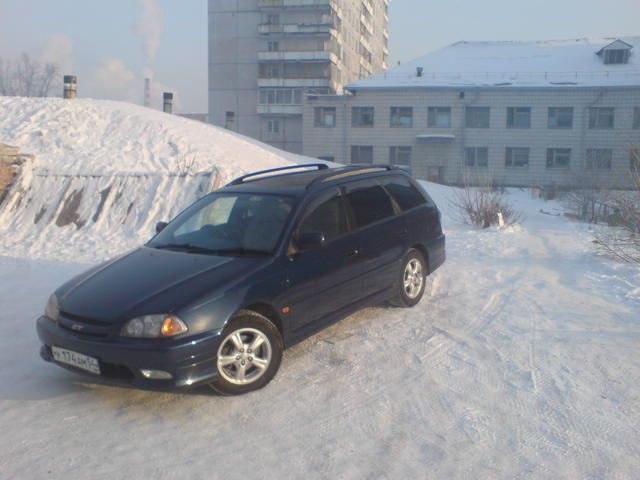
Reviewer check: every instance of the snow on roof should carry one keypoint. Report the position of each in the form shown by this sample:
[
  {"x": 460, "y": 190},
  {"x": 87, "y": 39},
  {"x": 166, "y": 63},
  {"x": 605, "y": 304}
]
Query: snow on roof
[{"x": 514, "y": 64}]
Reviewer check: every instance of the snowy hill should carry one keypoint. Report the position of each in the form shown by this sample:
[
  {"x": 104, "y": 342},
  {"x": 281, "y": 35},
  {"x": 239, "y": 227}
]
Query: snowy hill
[{"x": 105, "y": 172}]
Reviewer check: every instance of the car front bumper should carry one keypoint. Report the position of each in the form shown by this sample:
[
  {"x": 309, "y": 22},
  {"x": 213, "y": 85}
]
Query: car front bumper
[{"x": 190, "y": 361}]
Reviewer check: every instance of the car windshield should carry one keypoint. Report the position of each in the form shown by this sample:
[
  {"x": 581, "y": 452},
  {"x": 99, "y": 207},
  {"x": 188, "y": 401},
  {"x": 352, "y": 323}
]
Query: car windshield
[{"x": 228, "y": 223}]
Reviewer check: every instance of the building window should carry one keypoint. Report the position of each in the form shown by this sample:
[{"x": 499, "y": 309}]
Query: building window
[
  {"x": 476, "y": 157},
  {"x": 274, "y": 46},
  {"x": 273, "y": 126},
  {"x": 439, "y": 117},
  {"x": 401, "y": 117},
  {"x": 560, "y": 117},
  {"x": 599, "y": 158},
  {"x": 362, "y": 117},
  {"x": 280, "y": 96},
  {"x": 636, "y": 118},
  {"x": 273, "y": 19},
  {"x": 400, "y": 156},
  {"x": 517, "y": 157},
  {"x": 361, "y": 154},
  {"x": 558, "y": 157},
  {"x": 634, "y": 160},
  {"x": 616, "y": 57},
  {"x": 519, "y": 117},
  {"x": 325, "y": 117},
  {"x": 327, "y": 158},
  {"x": 601, "y": 117},
  {"x": 477, "y": 117}
]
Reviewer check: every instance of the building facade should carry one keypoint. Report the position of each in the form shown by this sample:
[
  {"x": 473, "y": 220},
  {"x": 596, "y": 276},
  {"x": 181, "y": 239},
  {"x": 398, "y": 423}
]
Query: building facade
[
  {"x": 551, "y": 122},
  {"x": 266, "y": 56}
]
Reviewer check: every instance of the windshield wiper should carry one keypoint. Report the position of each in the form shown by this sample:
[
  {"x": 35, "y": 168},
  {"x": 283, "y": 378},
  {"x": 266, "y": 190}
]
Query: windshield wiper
[
  {"x": 241, "y": 251},
  {"x": 186, "y": 247}
]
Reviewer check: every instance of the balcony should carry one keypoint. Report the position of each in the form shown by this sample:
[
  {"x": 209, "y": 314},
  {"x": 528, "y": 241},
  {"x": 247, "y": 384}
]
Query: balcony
[
  {"x": 297, "y": 83},
  {"x": 280, "y": 109},
  {"x": 365, "y": 43},
  {"x": 289, "y": 56},
  {"x": 296, "y": 3},
  {"x": 298, "y": 29},
  {"x": 367, "y": 5},
  {"x": 365, "y": 22}
]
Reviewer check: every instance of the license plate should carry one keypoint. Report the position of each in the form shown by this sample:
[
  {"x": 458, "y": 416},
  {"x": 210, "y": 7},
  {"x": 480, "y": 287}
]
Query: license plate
[{"x": 76, "y": 359}]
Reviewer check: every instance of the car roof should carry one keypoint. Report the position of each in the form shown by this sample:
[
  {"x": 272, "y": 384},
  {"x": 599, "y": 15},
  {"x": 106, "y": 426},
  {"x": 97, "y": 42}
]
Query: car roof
[{"x": 301, "y": 179}]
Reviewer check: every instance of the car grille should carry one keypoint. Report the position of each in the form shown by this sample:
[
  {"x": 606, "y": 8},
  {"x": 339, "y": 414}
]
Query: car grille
[{"x": 84, "y": 326}]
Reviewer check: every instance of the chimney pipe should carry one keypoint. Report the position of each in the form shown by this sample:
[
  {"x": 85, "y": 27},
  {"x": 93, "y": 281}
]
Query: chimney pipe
[
  {"x": 70, "y": 89},
  {"x": 147, "y": 92},
  {"x": 167, "y": 104}
]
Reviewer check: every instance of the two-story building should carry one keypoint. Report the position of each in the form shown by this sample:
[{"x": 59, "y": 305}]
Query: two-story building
[{"x": 562, "y": 113}]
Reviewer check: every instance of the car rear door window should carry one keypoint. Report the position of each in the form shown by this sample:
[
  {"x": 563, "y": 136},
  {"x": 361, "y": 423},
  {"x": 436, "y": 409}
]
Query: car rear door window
[
  {"x": 369, "y": 202},
  {"x": 325, "y": 215},
  {"x": 405, "y": 194}
]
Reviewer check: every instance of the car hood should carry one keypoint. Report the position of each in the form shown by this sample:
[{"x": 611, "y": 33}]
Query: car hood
[{"x": 148, "y": 281}]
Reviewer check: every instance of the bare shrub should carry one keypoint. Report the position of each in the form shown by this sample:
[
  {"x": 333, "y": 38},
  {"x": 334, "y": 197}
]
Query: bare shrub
[
  {"x": 26, "y": 77},
  {"x": 622, "y": 238},
  {"x": 185, "y": 164},
  {"x": 590, "y": 202},
  {"x": 480, "y": 203}
]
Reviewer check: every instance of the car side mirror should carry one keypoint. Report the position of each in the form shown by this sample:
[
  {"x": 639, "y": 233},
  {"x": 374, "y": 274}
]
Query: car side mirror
[
  {"x": 160, "y": 226},
  {"x": 309, "y": 241}
]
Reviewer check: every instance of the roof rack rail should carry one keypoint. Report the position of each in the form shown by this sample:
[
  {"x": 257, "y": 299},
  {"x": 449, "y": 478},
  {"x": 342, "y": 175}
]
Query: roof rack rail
[
  {"x": 352, "y": 169},
  {"x": 241, "y": 180}
]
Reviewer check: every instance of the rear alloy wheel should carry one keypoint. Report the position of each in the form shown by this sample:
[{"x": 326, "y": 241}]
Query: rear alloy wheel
[
  {"x": 412, "y": 281},
  {"x": 249, "y": 355}
]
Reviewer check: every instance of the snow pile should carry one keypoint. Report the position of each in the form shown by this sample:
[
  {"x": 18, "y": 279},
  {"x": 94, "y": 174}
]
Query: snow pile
[{"x": 105, "y": 172}]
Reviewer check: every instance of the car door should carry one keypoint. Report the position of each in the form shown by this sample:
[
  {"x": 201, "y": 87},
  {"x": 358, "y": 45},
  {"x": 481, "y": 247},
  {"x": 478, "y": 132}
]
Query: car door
[
  {"x": 323, "y": 280},
  {"x": 381, "y": 231}
]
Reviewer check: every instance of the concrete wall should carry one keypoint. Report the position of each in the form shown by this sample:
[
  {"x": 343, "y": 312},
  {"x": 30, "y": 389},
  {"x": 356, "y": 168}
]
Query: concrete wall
[
  {"x": 233, "y": 64},
  {"x": 239, "y": 38},
  {"x": 447, "y": 156}
]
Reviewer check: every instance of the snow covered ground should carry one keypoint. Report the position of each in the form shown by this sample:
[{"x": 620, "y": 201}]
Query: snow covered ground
[{"x": 521, "y": 362}]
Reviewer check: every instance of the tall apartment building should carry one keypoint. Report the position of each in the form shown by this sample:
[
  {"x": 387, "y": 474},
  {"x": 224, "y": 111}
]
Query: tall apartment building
[
  {"x": 547, "y": 113},
  {"x": 265, "y": 56}
]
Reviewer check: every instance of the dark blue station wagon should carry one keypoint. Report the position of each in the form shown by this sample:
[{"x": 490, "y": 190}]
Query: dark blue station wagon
[{"x": 245, "y": 272}]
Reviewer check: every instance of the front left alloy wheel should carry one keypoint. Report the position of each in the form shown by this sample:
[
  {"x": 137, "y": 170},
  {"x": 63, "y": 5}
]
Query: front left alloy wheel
[{"x": 249, "y": 355}]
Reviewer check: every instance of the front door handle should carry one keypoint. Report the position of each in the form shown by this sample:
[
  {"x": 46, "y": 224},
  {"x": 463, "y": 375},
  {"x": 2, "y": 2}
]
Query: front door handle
[{"x": 353, "y": 252}]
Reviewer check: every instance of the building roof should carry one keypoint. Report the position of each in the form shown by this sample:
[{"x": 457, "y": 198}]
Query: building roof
[{"x": 556, "y": 63}]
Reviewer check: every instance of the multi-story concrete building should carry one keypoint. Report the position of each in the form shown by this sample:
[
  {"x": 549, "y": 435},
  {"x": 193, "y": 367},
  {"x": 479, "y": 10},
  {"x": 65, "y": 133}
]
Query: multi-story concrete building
[
  {"x": 265, "y": 56},
  {"x": 519, "y": 113}
]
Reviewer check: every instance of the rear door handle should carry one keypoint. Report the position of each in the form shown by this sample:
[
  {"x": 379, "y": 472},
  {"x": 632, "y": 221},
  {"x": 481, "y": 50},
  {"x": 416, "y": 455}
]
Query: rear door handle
[{"x": 353, "y": 252}]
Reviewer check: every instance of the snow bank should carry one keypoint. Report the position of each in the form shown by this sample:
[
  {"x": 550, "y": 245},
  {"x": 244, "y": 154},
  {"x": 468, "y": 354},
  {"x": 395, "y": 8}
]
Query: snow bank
[{"x": 105, "y": 172}]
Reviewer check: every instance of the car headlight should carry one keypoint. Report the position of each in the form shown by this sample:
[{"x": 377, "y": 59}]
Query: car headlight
[
  {"x": 154, "y": 326},
  {"x": 52, "y": 311}
]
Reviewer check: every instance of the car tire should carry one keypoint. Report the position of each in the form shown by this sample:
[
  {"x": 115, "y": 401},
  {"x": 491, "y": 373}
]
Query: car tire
[
  {"x": 237, "y": 363},
  {"x": 412, "y": 280}
]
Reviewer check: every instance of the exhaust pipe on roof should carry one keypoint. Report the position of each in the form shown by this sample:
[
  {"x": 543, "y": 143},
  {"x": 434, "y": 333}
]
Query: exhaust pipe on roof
[
  {"x": 167, "y": 103},
  {"x": 70, "y": 87}
]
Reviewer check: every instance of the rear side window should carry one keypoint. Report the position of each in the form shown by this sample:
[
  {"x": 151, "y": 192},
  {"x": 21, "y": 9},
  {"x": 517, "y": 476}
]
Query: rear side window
[
  {"x": 325, "y": 215},
  {"x": 369, "y": 202},
  {"x": 406, "y": 195}
]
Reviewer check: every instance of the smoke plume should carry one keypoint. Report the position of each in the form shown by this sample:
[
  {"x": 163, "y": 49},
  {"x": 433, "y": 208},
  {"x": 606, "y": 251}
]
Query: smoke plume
[{"x": 148, "y": 28}]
